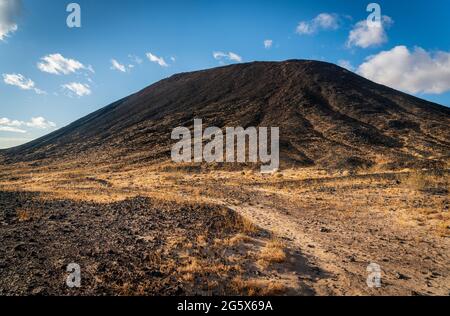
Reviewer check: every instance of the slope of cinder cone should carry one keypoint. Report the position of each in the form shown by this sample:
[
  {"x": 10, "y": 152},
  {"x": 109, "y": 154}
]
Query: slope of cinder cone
[{"x": 327, "y": 116}]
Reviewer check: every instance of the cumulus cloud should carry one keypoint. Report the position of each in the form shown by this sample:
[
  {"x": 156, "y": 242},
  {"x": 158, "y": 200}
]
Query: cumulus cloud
[
  {"x": 7, "y": 122},
  {"x": 9, "y": 12},
  {"x": 415, "y": 71},
  {"x": 365, "y": 35},
  {"x": 21, "y": 82},
  {"x": 268, "y": 44},
  {"x": 346, "y": 64},
  {"x": 16, "y": 126},
  {"x": 57, "y": 64},
  {"x": 159, "y": 60},
  {"x": 12, "y": 129},
  {"x": 230, "y": 56},
  {"x": 77, "y": 88},
  {"x": 18, "y": 80},
  {"x": 324, "y": 21},
  {"x": 40, "y": 123},
  {"x": 118, "y": 66}
]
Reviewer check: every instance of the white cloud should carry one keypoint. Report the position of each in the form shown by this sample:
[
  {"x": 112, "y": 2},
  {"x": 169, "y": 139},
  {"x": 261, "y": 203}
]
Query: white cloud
[
  {"x": 15, "y": 126},
  {"x": 159, "y": 60},
  {"x": 9, "y": 12},
  {"x": 21, "y": 82},
  {"x": 12, "y": 129},
  {"x": 40, "y": 123},
  {"x": 118, "y": 66},
  {"x": 416, "y": 71},
  {"x": 327, "y": 21},
  {"x": 230, "y": 56},
  {"x": 364, "y": 35},
  {"x": 57, "y": 64},
  {"x": 324, "y": 21},
  {"x": 234, "y": 57},
  {"x": 135, "y": 59},
  {"x": 18, "y": 80},
  {"x": 79, "y": 89},
  {"x": 346, "y": 64},
  {"x": 7, "y": 122},
  {"x": 304, "y": 28},
  {"x": 268, "y": 44}
]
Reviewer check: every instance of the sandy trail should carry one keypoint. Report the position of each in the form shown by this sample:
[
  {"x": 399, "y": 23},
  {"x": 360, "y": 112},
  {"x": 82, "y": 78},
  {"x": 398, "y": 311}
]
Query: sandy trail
[
  {"x": 341, "y": 244},
  {"x": 286, "y": 228},
  {"x": 340, "y": 274}
]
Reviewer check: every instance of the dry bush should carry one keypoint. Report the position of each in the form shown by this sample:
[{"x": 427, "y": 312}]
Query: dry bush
[
  {"x": 205, "y": 267},
  {"x": 257, "y": 287},
  {"x": 273, "y": 252},
  {"x": 235, "y": 240},
  {"x": 443, "y": 228},
  {"x": 247, "y": 226},
  {"x": 427, "y": 181},
  {"x": 23, "y": 215},
  {"x": 202, "y": 241},
  {"x": 194, "y": 266},
  {"x": 229, "y": 221}
]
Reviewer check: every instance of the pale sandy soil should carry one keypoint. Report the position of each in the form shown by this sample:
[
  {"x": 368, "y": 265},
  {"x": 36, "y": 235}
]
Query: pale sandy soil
[{"x": 330, "y": 226}]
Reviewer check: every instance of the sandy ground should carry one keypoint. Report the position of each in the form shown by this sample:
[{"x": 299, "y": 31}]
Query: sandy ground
[{"x": 329, "y": 228}]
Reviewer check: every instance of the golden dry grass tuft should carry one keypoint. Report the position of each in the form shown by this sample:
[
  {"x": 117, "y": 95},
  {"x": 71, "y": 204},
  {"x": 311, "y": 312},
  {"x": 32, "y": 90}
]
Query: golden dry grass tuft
[
  {"x": 443, "y": 228},
  {"x": 229, "y": 220},
  {"x": 24, "y": 215},
  {"x": 426, "y": 180},
  {"x": 254, "y": 287},
  {"x": 273, "y": 252}
]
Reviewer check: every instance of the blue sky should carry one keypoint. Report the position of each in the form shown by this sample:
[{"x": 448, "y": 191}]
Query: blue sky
[{"x": 42, "y": 59}]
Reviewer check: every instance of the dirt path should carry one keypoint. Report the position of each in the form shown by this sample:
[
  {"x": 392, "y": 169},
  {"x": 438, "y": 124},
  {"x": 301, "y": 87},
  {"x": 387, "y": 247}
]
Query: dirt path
[
  {"x": 341, "y": 271},
  {"x": 342, "y": 244},
  {"x": 329, "y": 278}
]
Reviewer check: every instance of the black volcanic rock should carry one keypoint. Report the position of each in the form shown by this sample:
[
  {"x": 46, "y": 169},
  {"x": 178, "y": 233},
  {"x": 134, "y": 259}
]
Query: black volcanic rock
[{"x": 327, "y": 116}]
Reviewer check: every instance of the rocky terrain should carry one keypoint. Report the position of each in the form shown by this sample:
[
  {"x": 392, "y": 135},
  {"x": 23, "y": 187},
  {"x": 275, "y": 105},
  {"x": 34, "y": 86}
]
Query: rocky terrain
[
  {"x": 137, "y": 246},
  {"x": 157, "y": 232},
  {"x": 363, "y": 179}
]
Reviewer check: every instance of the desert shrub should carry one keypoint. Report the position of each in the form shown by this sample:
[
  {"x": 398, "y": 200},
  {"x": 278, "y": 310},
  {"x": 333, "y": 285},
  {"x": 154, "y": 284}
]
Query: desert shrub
[
  {"x": 254, "y": 287},
  {"x": 273, "y": 252},
  {"x": 24, "y": 215},
  {"x": 228, "y": 221},
  {"x": 431, "y": 181}
]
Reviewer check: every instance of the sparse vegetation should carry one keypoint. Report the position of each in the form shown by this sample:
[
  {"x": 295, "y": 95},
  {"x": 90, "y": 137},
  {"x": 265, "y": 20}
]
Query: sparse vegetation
[
  {"x": 209, "y": 249},
  {"x": 254, "y": 287},
  {"x": 24, "y": 215},
  {"x": 430, "y": 181},
  {"x": 273, "y": 252}
]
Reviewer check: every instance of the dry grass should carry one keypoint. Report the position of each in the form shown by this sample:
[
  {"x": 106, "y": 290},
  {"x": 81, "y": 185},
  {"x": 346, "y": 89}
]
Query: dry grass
[
  {"x": 443, "y": 228},
  {"x": 273, "y": 252},
  {"x": 247, "y": 226},
  {"x": 414, "y": 199},
  {"x": 254, "y": 287},
  {"x": 24, "y": 215},
  {"x": 194, "y": 266},
  {"x": 426, "y": 180},
  {"x": 229, "y": 220},
  {"x": 235, "y": 240}
]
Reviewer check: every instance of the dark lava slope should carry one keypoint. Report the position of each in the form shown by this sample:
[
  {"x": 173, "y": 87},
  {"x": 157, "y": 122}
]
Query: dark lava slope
[{"x": 327, "y": 116}]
